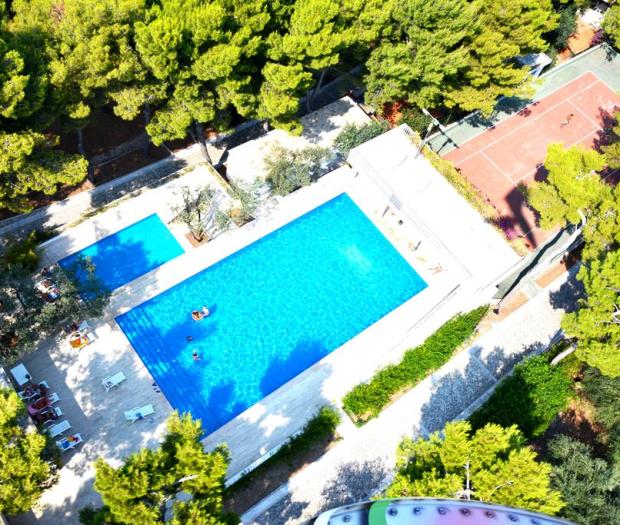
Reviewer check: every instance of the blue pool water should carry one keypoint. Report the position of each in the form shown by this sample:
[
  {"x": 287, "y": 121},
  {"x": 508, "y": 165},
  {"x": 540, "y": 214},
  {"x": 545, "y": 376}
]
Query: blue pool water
[
  {"x": 277, "y": 307},
  {"x": 129, "y": 253}
]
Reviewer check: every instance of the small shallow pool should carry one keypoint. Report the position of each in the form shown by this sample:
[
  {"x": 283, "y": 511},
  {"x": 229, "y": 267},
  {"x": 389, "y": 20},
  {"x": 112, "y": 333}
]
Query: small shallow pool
[
  {"x": 129, "y": 253},
  {"x": 276, "y": 307}
]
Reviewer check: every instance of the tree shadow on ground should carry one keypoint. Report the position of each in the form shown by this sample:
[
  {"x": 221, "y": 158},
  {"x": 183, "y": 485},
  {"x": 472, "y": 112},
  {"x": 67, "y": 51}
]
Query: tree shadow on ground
[
  {"x": 352, "y": 482},
  {"x": 568, "y": 296},
  {"x": 453, "y": 392}
]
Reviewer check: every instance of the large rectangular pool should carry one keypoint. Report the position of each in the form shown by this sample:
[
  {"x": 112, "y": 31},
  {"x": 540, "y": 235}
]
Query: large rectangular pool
[
  {"x": 129, "y": 253},
  {"x": 276, "y": 307}
]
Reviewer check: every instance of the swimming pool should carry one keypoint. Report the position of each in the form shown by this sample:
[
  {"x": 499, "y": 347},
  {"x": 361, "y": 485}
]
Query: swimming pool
[
  {"x": 276, "y": 307},
  {"x": 129, "y": 253}
]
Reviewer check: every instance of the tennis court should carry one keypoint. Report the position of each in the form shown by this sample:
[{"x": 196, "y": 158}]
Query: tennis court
[{"x": 511, "y": 153}]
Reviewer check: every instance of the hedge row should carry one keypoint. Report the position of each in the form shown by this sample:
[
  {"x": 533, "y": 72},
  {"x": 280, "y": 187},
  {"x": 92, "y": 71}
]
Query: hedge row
[
  {"x": 530, "y": 398},
  {"x": 367, "y": 400}
]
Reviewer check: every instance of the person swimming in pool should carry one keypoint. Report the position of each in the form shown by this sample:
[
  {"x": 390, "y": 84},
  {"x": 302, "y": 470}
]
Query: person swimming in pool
[
  {"x": 195, "y": 355},
  {"x": 198, "y": 315}
]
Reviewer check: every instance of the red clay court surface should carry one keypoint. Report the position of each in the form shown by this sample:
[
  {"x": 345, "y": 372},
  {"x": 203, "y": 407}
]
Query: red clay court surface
[{"x": 513, "y": 151}]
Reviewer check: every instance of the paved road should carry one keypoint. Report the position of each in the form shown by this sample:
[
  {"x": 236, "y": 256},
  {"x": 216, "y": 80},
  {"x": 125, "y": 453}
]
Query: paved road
[{"x": 362, "y": 464}]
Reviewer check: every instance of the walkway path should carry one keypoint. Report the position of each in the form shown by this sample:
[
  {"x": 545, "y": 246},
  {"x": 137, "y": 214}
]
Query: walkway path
[{"x": 362, "y": 463}]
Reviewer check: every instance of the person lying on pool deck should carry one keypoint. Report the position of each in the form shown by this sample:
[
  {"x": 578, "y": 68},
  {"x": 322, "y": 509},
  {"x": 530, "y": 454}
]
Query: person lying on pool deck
[{"x": 197, "y": 315}]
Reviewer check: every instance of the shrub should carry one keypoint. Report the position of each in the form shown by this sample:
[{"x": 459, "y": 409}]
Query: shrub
[
  {"x": 367, "y": 400},
  {"x": 289, "y": 170},
  {"x": 352, "y": 135},
  {"x": 321, "y": 426},
  {"x": 590, "y": 487},
  {"x": 530, "y": 398},
  {"x": 415, "y": 119}
]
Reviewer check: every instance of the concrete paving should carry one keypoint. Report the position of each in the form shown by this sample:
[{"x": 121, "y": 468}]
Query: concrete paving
[{"x": 362, "y": 464}]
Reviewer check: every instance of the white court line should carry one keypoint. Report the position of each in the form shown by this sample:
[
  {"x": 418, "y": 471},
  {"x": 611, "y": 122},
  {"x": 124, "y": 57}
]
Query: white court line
[
  {"x": 583, "y": 113},
  {"x": 528, "y": 122},
  {"x": 569, "y": 146},
  {"x": 497, "y": 167}
]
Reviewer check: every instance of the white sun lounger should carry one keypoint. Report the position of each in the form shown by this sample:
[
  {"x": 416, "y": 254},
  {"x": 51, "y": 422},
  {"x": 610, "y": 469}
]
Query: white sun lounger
[
  {"x": 21, "y": 374},
  {"x": 112, "y": 381},
  {"x": 135, "y": 414},
  {"x": 69, "y": 442},
  {"x": 59, "y": 428}
]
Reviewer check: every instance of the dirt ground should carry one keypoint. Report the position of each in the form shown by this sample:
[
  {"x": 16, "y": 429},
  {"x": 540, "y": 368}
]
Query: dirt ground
[{"x": 268, "y": 477}]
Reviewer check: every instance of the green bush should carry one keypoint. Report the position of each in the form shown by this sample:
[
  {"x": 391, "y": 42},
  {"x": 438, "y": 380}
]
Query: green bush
[
  {"x": 367, "y": 400},
  {"x": 415, "y": 119},
  {"x": 320, "y": 427},
  {"x": 289, "y": 170},
  {"x": 530, "y": 398},
  {"x": 353, "y": 135},
  {"x": 604, "y": 393}
]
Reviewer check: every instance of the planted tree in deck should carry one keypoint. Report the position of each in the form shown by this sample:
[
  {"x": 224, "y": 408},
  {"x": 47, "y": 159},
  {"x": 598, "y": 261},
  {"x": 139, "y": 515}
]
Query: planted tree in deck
[
  {"x": 139, "y": 490},
  {"x": 23, "y": 471}
]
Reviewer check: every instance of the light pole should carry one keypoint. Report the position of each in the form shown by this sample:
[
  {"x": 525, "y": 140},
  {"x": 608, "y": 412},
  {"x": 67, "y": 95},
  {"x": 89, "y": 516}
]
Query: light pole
[{"x": 433, "y": 123}]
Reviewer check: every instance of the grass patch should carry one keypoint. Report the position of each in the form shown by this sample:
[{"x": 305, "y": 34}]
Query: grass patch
[
  {"x": 367, "y": 400},
  {"x": 315, "y": 438},
  {"x": 530, "y": 398}
]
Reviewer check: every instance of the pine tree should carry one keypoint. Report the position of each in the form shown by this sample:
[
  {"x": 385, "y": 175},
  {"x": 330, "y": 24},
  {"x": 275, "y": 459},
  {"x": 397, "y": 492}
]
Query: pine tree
[
  {"x": 590, "y": 486},
  {"x": 572, "y": 185},
  {"x": 596, "y": 324},
  {"x": 316, "y": 35},
  {"x": 137, "y": 491},
  {"x": 22, "y": 468},
  {"x": 611, "y": 25},
  {"x": 426, "y": 54},
  {"x": 499, "y": 468},
  {"x": 30, "y": 162},
  {"x": 612, "y": 150},
  {"x": 504, "y": 29}
]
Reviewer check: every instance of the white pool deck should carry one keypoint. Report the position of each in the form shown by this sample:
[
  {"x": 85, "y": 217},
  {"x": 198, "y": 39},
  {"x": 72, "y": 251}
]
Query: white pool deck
[{"x": 468, "y": 251}]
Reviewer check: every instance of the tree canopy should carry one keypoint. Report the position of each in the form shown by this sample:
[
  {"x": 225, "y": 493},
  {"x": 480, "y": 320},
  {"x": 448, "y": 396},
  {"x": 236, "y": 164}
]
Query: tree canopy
[
  {"x": 26, "y": 318},
  {"x": 574, "y": 191},
  {"x": 596, "y": 324},
  {"x": 457, "y": 53},
  {"x": 589, "y": 485},
  {"x": 499, "y": 468},
  {"x": 22, "y": 467},
  {"x": 137, "y": 491}
]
